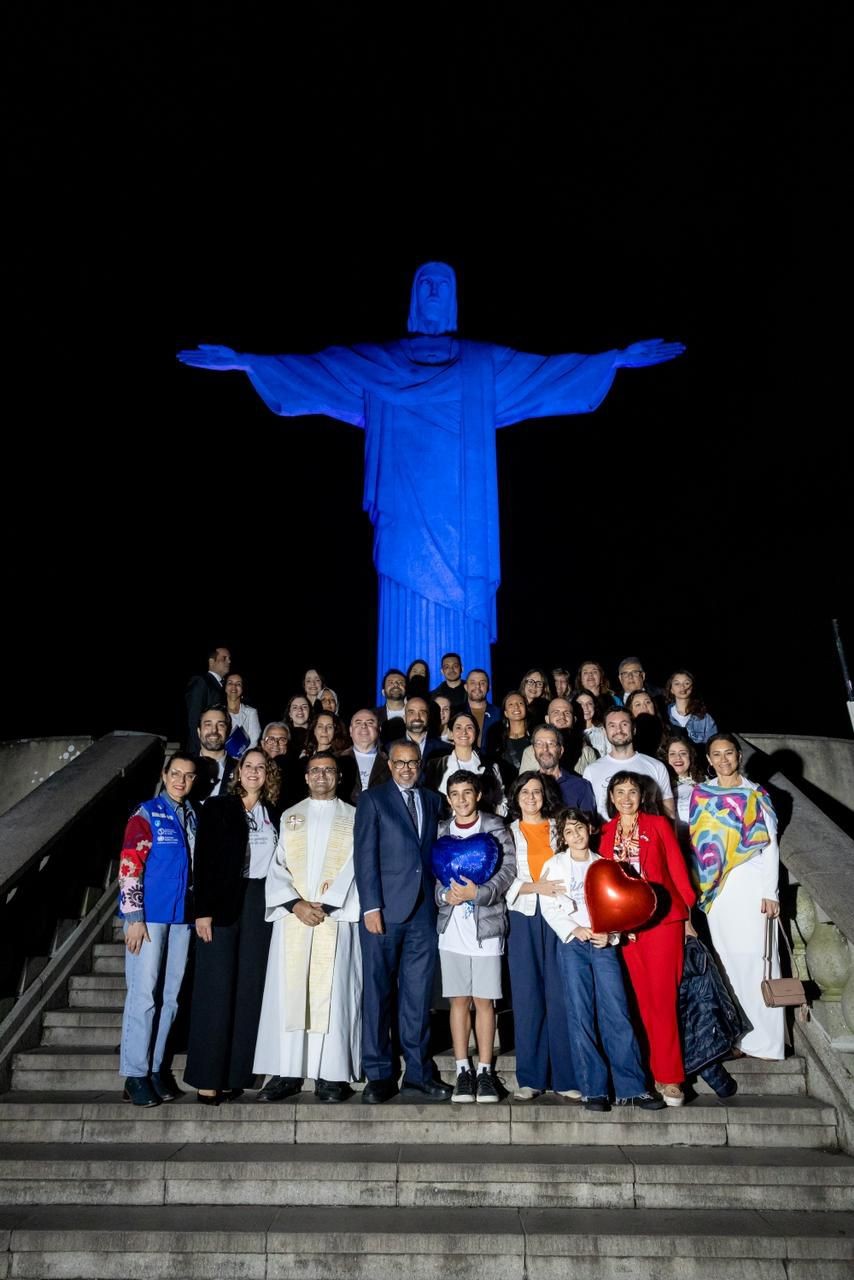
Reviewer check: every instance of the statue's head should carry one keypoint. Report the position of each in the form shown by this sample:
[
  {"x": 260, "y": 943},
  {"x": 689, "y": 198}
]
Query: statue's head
[{"x": 433, "y": 306}]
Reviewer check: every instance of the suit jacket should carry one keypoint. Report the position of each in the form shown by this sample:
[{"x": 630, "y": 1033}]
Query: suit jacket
[
  {"x": 491, "y": 716},
  {"x": 218, "y": 859},
  {"x": 202, "y": 692},
  {"x": 390, "y": 730},
  {"x": 350, "y": 787},
  {"x": 393, "y": 866},
  {"x": 206, "y": 776},
  {"x": 661, "y": 863}
]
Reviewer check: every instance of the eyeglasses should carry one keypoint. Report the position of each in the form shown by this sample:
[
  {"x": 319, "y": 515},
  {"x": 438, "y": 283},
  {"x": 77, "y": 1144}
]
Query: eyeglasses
[
  {"x": 323, "y": 773},
  {"x": 277, "y": 742},
  {"x": 404, "y": 764},
  {"x": 536, "y": 684},
  {"x": 250, "y": 820},
  {"x": 177, "y": 775}
]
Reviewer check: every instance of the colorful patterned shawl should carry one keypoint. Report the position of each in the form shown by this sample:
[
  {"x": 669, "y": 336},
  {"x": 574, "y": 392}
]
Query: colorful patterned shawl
[{"x": 728, "y": 827}]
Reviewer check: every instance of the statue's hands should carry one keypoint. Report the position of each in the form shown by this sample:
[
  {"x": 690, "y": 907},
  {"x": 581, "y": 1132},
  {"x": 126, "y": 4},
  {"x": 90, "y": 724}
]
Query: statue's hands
[
  {"x": 651, "y": 351},
  {"x": 212, "y": 357}
]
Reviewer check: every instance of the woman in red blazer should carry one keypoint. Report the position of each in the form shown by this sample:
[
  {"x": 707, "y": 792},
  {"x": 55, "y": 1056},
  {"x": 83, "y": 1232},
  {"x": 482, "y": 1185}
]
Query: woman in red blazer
[{"x": 653, "y": 955}]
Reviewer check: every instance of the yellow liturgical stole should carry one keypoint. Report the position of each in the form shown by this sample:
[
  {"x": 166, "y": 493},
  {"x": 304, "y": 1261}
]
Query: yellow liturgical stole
[{"x": 310, "y": 951}]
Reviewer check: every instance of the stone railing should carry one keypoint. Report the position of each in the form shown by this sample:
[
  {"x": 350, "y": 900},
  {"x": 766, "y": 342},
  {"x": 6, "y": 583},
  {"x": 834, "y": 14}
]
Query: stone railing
[{"x": 818, "y": 898}]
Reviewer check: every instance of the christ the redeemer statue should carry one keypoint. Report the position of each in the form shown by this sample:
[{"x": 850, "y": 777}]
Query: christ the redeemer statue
[{"x": 430, "y": 405}]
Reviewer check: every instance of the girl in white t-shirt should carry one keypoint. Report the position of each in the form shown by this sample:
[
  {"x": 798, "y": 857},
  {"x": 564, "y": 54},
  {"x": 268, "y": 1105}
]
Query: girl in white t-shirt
[{"x": 592, "y": 979}]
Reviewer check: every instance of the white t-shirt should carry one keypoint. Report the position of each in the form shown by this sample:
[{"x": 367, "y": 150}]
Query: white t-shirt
[
  {"x": 600, "y": 773},
  {"x": 262, "y": 842},
  {"x": 365, "y": 762},
  {"x": 460, "y": 935}
]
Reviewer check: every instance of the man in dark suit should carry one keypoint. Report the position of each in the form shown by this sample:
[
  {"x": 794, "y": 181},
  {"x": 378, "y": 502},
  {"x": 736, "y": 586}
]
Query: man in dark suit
[
  {"x": 396, "y": 825},
  {"x": 205, "y": 691}
]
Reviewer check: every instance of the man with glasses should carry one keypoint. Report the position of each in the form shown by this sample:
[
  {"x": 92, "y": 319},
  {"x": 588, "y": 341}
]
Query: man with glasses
[
  {"x": 310, "y": 1024},
  {"x": 275, "y": 740},
  {"x": 396, "y": 826},
  {"x": 632, "y": 676},
  {"x": 154, "y": 885}
]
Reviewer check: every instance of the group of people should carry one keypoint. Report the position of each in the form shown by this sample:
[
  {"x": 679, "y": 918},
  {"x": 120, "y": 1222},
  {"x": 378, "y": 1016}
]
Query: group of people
[{"x": 300, "y": 857}]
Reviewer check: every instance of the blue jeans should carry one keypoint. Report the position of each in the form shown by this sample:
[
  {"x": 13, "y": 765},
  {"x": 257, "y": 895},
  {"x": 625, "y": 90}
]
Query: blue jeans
[
  {"x": 593, "y": 986},
  {"x": 168, "y": 946}
]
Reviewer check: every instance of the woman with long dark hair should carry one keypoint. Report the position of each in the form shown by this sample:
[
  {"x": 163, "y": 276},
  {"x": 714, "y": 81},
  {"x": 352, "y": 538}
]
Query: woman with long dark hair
[
  {"x": 543, "y": 1054},
  {"x": 646, "y": 842},
  {"x": 507, "y": 740},
  {"x": 235, "y": 844},
  {"x": 686, "y": 709}
]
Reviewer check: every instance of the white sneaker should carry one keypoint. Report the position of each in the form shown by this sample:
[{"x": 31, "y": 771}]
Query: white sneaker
[
  {"x": 574, "y": 1094},
  {"x": 526, "y": 1093}
]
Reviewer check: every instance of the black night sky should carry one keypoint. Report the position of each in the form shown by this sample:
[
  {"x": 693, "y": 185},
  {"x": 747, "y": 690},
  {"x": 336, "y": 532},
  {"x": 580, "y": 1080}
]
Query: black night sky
[{"x": 271, "y": 183}]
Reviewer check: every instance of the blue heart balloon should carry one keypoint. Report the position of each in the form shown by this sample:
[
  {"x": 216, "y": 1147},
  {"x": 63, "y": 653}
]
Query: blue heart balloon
[{"x": 475, "y": 857}]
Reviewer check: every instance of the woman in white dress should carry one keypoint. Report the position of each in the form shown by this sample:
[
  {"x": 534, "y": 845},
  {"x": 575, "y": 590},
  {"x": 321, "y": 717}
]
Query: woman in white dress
[{"x": 734, "y": 839}]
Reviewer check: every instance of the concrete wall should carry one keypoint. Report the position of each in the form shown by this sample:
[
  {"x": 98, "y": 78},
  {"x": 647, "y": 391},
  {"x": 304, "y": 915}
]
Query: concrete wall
[
  {"x": 822, "y": 767},
  {"x": 24, "y": 765}
]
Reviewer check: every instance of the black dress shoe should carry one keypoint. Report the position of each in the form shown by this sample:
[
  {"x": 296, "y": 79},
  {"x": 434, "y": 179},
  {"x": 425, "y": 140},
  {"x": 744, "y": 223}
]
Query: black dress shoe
[
  {"x": 138, "y": 1090},
  {"x": 597, "y": 1104},
  {"x": 332, "y": 1090},
  {"x": 165, "y": 1086},
  {"x": 430, "y": 1091},
  {"x": 209, "y": 1099},
  {"x": 278, "y": 1088},
  {"x": 230, "y": 1095},
  {"x": 379, "y": 1090}
]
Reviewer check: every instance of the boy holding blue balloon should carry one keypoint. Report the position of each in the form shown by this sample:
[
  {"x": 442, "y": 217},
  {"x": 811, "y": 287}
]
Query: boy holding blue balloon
[{"x": 475, "y": 863}]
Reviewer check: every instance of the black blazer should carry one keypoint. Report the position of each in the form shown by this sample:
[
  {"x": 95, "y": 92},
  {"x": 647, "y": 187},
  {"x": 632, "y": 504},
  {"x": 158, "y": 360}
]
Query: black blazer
[
  {"x": 350, "y": 786},
  {"x": 219, "y": 857},
  {"x": 202, "y": 692}
]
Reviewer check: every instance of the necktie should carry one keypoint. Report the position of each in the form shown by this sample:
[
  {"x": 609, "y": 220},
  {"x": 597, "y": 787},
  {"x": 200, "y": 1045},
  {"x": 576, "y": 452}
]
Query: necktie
[{"x": 409, "y": 797}]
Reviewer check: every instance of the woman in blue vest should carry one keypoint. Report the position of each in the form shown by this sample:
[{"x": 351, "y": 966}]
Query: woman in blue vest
[
  {"x": 237, "y": 838},
  {"x": 154, "y": 880}
]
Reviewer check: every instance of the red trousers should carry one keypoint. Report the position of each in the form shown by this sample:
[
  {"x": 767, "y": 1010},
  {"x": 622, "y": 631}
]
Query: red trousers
[{"x": 654, "y": 962}]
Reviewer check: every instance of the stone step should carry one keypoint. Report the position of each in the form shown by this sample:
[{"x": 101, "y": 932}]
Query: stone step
[
  {"x": 786, "y": 1078},
  {"x": 271, "y": 1243},
  {"x": 96, "y": 991},
  {"x": 108, "y": 964},
  {"x": 100, "y": 1116},
  {"x": 418, "y": 1177},
  {"x": 71, "y": 1056}
]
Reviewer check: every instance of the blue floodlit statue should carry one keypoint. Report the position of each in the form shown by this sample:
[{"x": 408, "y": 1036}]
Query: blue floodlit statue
[{"x": 430, "y": 405}]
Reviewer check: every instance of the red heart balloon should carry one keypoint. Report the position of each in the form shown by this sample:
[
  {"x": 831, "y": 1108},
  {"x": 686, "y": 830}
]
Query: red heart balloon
[{"x": 617, "y": 900}]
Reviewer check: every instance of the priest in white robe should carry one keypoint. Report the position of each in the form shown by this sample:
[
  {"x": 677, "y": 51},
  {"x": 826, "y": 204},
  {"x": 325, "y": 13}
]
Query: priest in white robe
[{"x": 311, "y": 1014}]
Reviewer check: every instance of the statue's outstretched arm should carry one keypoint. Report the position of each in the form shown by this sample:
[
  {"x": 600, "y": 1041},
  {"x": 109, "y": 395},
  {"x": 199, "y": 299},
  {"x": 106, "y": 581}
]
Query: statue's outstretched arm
[
  {"x": 650, "y": 351},
  {"x": 213, "y": 357}
]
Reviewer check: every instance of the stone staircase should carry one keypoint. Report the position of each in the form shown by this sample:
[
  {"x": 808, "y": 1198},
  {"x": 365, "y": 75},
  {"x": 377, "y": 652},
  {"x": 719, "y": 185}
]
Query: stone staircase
[{"x": 91, "y": 1187}]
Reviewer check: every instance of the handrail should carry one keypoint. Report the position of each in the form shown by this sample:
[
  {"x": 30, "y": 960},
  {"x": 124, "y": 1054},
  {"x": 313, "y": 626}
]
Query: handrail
[{"x": 30, "y": 829}]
